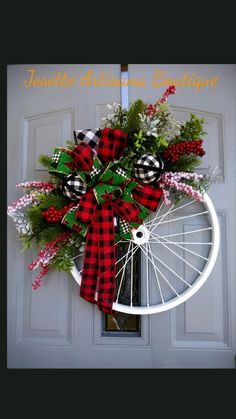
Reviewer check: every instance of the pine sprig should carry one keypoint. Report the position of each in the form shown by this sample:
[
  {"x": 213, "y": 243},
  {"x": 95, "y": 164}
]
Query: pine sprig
[
  {"x": 63, "y": 259},
  {"x": 133, "y": 119},
  {"x": 201, "y": 184},
  {"x": 62, "y": 262},
  {"x": 70, "y": 145},
  {"x": 186, "y": 163},
  {"x": 118, "y": 119},
  {"x": 191, "y": 130},
  {"x": 56, "y": 180},
  {"x": 36, "y": 218},
  {"x": 45, "y": 160},
  {"x": 27, "y": 241},
  {"x": 50, "y": 233},
  {"x": 52, "y": 200}
]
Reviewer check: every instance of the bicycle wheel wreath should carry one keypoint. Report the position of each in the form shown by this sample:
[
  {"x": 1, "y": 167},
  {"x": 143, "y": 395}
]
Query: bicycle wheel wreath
[{"x": 103, "y": 187}]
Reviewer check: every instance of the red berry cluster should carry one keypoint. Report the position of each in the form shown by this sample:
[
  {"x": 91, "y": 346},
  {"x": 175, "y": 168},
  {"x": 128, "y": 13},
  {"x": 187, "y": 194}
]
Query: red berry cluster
[
  {"x": 150, "y": 110},
  {"x": 54, "y": 215},
  {"x": 171, "y": 90},
  {"x": 174, "y": 151}
]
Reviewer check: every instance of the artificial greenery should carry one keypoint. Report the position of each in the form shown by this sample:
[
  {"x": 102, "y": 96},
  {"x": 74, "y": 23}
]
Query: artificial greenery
[
  {"x": 27, "y": 241},
  {"x": 118, "y": 119},
  {"x": 54, "y": 199},
  {"x": 191, "y": 130},
  {"x": 201, "y": 184},
  {"x": 36, "y": 219},
  {"x": 139, "y": 143},
  {"x": 45, "y": 160},
  {"x": 70, "y": 145},
  {"x": 150, "y": 130},
  {"x": 132, "y": 123},
  {"x": 50, "y": 233},
  {"x": 126, "y": 120},
  {"x": 186, "y": 163},
  {"x": 63, "y": 260}
]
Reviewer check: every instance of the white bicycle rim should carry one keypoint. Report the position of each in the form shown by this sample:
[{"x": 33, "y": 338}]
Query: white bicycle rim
[{"x": 149, "y": 238}]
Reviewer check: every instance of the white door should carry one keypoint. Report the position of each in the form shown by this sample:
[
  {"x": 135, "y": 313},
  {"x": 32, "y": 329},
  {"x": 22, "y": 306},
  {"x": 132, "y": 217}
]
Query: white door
[{"x": 53, "y": 327}]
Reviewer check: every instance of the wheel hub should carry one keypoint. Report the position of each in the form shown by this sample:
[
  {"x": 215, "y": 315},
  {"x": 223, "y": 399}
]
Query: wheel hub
[{"x": 140, "y": 235}]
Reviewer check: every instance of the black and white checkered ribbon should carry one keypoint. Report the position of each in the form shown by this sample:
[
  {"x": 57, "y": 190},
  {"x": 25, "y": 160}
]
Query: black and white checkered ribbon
[
  {"x": 121, "y": 172},
  {"x": 124, "y": 226},
  {"x": 149, "y": 168},
  {"x": 73, "y": 187},
  {"x": 95, "y": 171},
  {"x": 89, "y": 136},
  {"x": 56, "y": 156}
]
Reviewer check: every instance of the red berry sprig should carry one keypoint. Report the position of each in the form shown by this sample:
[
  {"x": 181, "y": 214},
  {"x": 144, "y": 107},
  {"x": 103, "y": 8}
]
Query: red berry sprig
[
  {"x": 54, "y": 215},
  {"x": 171, "y": 90},
  {"x": 174, "y": 151},
  {"x": 150, "y": 110}
]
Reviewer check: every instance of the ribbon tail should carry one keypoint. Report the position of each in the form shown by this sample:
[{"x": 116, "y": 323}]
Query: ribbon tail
[
  {"x": 107, "y": 257},
  {"x": 99, "y": 263}
]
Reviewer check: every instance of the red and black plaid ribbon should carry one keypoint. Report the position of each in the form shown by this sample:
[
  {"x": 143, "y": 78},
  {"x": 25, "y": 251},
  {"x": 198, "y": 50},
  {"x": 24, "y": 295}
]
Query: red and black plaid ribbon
[
  {"x": 99, "y": 264},
  {"x": 99, "y": 267},
  {"x": 112, "y": 145},
  {"x": 148, "y": 196}
]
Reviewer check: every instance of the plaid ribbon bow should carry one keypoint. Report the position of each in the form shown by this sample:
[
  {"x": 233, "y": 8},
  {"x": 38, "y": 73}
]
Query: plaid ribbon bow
[{"x": 109, "y": 191}]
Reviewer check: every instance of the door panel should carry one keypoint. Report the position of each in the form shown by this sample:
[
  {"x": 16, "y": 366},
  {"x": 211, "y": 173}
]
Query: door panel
[
  {"x": 201, "y": 332},
  {"x": 53, "y": 327}
]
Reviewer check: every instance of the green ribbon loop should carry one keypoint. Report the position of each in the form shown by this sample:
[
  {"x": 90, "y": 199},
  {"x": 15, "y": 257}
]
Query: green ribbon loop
[{"x": 108, "y": 182}]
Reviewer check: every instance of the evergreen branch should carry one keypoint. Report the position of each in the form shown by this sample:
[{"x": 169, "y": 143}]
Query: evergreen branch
[
  {"x": 55, "y": 179},
  {"x": 191, "y": 130},
  {"x": 36, "y": 218},
  {"x": 50, "y": 233},
  {"x": 52, "y": 200},
  {"x": 45, "y": 160},
  {"x": 63, "y": 260},
  {"x": 118, "y": 119},
  {"x": 186, "y": 163},
  {"x": 70, "y": 145},
  {"x": 201, "y": 184},
  {"x": 62, "y": 263},
  {"x": 27, "y": 241},
  {"x": 133, "y": 119}
]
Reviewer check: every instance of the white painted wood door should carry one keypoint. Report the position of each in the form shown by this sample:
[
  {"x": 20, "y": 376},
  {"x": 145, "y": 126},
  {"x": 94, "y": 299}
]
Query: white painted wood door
[
  {"x": 201, "y": 333},
  {"x": 54, "y": 327}
]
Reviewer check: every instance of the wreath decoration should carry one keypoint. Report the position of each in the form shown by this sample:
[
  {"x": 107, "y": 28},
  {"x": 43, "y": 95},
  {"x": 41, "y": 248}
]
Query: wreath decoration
[{"x": 103, "y": 186}]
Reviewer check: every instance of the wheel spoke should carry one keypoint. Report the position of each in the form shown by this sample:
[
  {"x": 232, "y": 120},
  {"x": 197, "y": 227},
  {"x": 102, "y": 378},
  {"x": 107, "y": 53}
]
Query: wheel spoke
[
  {"x": 176, "y": 209},
  {"x": 82, "y": 254},
  {"x": 119, "y": 260},
  {"x": 78, "y": 256},
  {"x": 156, "y": 216},
  {"x": 180, "y": 257},
  {"x": 165, "y": 264},
  {"x": 171, "y": 270},
  {"x": 176, "y": 293},
  {"x": 123, "y": 273},
  {"x": 132, "y": 254},
  {"x": 132, "y": 277},
  {"x": 181, "y": 247},
  {"x": 187, "y": 232},
  {"x": 182, "y": 218},
  {"x": 162, "y": 218},
  {"x": 147, "y": 279},
  {"x": 186, "y": 243},
  {"x": 157, "y": 279}
]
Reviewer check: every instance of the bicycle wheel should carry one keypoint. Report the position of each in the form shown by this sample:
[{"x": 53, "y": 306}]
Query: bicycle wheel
[{"x": 176, "y": 248}]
